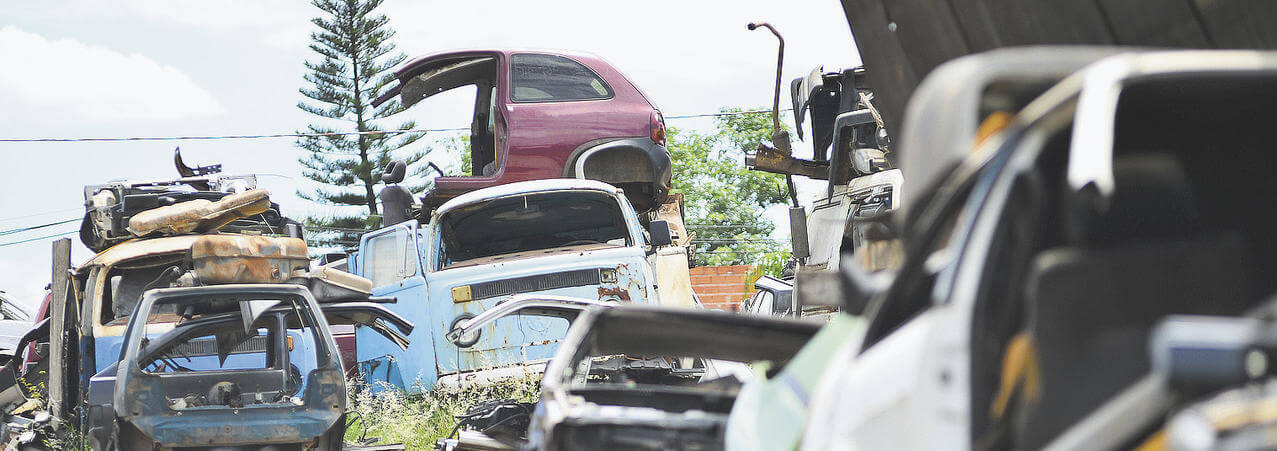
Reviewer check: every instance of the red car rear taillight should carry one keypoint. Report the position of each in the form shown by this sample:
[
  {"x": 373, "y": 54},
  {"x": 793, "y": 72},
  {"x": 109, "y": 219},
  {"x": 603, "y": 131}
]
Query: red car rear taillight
[{"x": 658, "y": 128}]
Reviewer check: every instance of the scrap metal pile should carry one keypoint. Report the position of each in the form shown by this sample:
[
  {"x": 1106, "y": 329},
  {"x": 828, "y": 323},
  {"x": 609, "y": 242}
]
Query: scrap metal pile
[
  {"x": 1080, "y": 263},
  {"x": 200, "y": 322}
]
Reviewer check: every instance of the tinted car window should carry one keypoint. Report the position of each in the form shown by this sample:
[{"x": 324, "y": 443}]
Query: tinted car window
[{"x": 549, "y": 78}]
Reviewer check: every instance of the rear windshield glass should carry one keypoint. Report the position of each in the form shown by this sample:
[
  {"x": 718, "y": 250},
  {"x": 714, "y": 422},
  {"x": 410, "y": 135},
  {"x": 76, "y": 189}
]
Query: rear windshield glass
[
  {"x": 548, "y": 78},
  {"x": 533, "y": 222}
]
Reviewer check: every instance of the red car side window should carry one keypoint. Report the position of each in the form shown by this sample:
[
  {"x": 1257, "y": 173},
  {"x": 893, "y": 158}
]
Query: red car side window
[{"x": 549, "y": 78}]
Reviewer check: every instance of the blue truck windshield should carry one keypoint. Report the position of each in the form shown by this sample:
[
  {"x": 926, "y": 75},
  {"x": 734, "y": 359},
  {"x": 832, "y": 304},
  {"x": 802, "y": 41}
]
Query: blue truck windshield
[{"x": 531, "y": 222}]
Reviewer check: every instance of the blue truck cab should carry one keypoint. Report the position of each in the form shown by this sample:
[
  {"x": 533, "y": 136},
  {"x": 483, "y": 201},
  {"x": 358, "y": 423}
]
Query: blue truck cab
[{"x": 565, "y": 237}]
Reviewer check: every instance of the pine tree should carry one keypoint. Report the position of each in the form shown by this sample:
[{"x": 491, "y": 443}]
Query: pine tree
[{"x": 354, "y": 67}]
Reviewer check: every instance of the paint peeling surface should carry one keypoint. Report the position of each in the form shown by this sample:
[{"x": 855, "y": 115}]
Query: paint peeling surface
[
  {"x": 200, "y": 215},
  {"x": 574, "y": 238},
  {"x": 236, "y": 365},
  {"x": 220, "y": 259}
]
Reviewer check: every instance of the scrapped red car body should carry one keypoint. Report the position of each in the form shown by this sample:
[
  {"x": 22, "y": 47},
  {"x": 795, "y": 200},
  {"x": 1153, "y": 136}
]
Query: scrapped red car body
[{"x": 541, "y": 115}]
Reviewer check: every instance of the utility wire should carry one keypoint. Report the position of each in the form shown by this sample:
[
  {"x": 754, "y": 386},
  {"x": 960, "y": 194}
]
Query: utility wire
[
  {"x": 47, "y": 213},
  {"x": 724, "y": 113},
  {"x": 313, "y": 135},
  {"x": 212, "y": 137},
  {"x": 724, "y": 226},
  {"x": 38, "y": 238},
  {"x": 353, "y": 230},
  {"x": 41, "y": 226},
  {"x": 738, "y": 252},
  {"x": 732, "y": 241}
]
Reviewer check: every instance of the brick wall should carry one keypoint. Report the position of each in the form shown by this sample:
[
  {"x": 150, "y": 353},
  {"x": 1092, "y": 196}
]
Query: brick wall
[{"x": 723, "y": 287}]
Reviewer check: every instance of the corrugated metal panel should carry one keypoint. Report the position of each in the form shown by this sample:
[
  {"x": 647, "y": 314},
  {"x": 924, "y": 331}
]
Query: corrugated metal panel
[
  {"x": 535, "y": 283},
  {"x": 901, "y": 41}
]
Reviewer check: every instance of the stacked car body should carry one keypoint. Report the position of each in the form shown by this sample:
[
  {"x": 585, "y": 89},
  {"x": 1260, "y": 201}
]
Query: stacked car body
[{"x": 186, "y": 333}]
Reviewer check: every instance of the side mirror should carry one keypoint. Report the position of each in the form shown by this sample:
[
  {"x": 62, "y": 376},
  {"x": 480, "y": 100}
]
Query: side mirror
[
  {"x": 660, "y": 232},
  {"x": 798, "y": 233}
]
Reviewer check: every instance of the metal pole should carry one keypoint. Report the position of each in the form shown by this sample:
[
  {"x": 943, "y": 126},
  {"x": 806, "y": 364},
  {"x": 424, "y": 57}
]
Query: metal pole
[
  {"x": 780, "y": 61},
  {"x": 59, "y": 326}
]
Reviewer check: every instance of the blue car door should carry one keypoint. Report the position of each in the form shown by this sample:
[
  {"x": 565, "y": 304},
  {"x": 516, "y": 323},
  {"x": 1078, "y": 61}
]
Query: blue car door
[{"x": 391, "y": 259}]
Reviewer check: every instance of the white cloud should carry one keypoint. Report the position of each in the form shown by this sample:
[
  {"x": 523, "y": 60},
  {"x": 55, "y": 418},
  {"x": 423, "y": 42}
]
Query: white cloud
[
  {"x": 289, "y": 38},
  {"x": 95, "y": 82},
  {"x": 282, "y": 25},
  {"x": 219, "y": 15}
]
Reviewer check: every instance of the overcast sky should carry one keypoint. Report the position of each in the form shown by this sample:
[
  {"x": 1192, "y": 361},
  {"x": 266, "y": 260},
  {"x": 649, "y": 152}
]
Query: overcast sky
[{"x": 203, "y": 67}]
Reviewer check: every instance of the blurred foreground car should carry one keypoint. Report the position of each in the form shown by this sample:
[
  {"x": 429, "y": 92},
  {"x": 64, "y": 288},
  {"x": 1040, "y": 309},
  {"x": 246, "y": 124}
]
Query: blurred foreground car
[
  {"x": 641, "y": 377},
  {"x": 544, "y": 115},
  {"x": 1035, "y": 271},
  {"x": 951, "y": 105}
]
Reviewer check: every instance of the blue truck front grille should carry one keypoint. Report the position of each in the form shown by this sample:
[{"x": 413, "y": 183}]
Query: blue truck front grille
[{"x": 535, "y": 283}]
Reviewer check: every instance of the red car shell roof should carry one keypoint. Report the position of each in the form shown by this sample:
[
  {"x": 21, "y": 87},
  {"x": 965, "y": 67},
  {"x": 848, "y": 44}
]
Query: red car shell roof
[{"x": 600, "y": 66}]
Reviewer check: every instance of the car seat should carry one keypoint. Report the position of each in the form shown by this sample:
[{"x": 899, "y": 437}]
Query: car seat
[
  {"x": 1092, "y": 303},
  {"x": 396, "y": 200}
]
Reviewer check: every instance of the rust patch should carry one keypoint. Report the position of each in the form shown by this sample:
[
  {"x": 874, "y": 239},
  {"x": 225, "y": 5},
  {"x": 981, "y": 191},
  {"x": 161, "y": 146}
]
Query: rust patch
[
  {"x": 619, "y": 293},
  {"x": 219, "y": 259},
  {"x": 199, "y": 215}
]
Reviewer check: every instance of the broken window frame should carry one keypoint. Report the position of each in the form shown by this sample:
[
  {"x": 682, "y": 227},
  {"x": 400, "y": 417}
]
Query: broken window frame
[
  {"x": 408, "y": 259},
  {"x": 294, "y": 306},
  {"x": 440, "y": 226}
]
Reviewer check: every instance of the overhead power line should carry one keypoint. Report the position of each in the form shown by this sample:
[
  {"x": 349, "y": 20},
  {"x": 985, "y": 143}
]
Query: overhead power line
[
  {"x": 305, "y": 135},
  {"x": 724, "y": 113},
  {"x": 34, "y": 227},
  {"x": 734, "y": 241},
  {"x": 38, "y": 238},
  {"x": 361, "y": 231},
  {"x": 313, "y": 135},
  {"x": 47, "y": 213},
  {"x": 213, "y": 137}
]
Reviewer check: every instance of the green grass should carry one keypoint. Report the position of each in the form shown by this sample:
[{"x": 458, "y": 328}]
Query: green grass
[
  {"x": 392, "y": 416},
  {"x": 417, "y": 420}
]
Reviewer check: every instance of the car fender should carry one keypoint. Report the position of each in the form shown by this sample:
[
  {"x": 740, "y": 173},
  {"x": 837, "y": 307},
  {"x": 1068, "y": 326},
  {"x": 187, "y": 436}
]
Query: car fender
[{"x": 651, "y": 161}]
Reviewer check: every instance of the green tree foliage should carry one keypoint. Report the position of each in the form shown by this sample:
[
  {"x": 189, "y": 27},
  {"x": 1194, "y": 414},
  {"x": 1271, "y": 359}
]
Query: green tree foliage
[
  {"x": 457, "y": 145},
  {"x": 724, "y": 201},
  {"x": 355, "y": 58}
]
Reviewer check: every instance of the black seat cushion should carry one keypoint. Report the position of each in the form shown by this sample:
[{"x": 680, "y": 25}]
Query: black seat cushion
[
  {"x": 1091, "y": 310},
  {"x": 1151, "y": 202},
  {"x": 1091, "y": 304}
]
